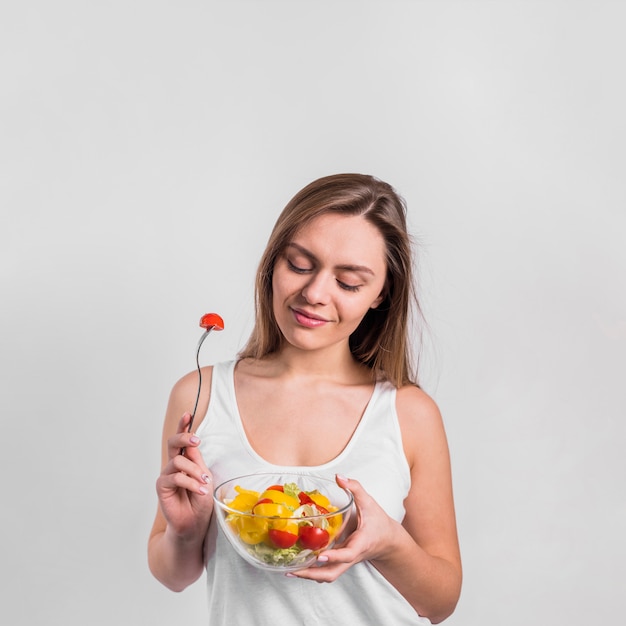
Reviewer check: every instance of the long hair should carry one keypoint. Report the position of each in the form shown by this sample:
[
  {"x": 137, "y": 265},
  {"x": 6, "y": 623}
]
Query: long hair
[{"x": 381, "y": 340}]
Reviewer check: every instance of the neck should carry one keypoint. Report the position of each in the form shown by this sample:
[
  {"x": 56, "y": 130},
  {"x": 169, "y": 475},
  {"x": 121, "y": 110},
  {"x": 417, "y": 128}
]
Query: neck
[{"x": 335, "y": 362}]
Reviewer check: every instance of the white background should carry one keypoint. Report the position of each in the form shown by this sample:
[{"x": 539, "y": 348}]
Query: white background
[{"x": 146, "y": 149}]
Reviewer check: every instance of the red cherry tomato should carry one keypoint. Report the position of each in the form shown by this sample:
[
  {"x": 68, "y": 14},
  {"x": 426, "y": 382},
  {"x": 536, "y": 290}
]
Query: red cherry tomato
[
  {"x": 313, "y": 538},
  {"x": 305, "y": 498},
  {"x": 281, "y": 538},
  {"x": 212, "y": 320}
]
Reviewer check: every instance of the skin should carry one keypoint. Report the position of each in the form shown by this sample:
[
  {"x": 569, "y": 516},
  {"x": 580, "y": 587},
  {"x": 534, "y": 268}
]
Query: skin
[{"x": 324, "y": 283}]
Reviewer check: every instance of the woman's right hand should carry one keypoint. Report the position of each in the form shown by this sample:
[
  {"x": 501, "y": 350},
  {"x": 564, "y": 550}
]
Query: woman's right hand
[{"x": 185, "y": 484}]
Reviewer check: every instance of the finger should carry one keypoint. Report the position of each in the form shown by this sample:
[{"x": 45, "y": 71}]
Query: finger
[
  {"x": 187, "y": 466},
  {"x": 184, "y": 426},
  {"x": 181, "y": 440},
  {"x": 325, "y": 574},
  {"x": 183, "y": 423},
  {"x": 176, "y": 481},
  {"x": 352, "y": 485},
  {"x": 192, "y": 450},
  {"x": 348, "y": 554},
  {"x": 187, "y": 442},
  {"x": 362, "y": 499},
  {"x": 181, "y": 472},
  {"x": 331, "y": 564}
]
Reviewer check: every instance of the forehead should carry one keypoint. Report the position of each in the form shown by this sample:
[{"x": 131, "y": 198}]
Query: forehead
[{"x": 349, "y": 239}]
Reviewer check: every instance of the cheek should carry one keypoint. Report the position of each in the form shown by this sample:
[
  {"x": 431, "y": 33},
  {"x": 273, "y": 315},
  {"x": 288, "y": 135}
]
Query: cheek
[
  {"x": 278, "y": 286},
  {"x": 286, "y": 283},
  {"x": 277, "y": 295},
  {"x": 282, "y": 290},
  {"x": 355, "y": 311}
]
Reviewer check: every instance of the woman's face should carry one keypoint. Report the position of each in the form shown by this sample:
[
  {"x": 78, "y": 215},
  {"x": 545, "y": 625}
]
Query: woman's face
[{"x": 327, "y": 278}]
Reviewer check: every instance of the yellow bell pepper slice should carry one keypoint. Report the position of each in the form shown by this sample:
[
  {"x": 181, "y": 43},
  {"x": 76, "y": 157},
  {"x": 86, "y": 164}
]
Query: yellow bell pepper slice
[
  {"x": 271, "y": 509},
  {"x": 244, "y": 501},
  {"x": 320, "y": 499},
  {"x": 280, "y": 497},
  {"x": 251, "y": 530},
  {"x": 287, "y": 525}
]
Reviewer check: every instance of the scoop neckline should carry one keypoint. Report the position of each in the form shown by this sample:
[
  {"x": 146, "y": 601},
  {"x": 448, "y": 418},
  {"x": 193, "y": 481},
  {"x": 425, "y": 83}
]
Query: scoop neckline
[{"x": 336, "y": 460}]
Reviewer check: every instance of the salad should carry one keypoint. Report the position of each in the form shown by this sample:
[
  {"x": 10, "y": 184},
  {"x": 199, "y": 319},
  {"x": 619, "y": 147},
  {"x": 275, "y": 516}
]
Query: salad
[{"x": 283, "y": 525}]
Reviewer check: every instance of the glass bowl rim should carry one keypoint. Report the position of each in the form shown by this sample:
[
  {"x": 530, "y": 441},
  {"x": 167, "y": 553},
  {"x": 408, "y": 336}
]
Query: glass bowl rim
[{"x": 340, "y": 511}]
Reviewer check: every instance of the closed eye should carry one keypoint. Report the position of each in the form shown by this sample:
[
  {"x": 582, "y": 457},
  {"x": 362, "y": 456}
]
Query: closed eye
[
  {"x": 305, "y": 270},
  {"x": 348, "y": 287},
  {"x": 296, "y": 268}
]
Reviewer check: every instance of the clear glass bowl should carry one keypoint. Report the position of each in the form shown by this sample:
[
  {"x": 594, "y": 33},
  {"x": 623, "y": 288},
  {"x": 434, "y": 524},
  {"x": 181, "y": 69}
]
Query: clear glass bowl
[{"x": 284, "y": 530}]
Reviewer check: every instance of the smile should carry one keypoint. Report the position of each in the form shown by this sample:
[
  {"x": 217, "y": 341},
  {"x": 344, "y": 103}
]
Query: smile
[{"x": 308, "y": 319}]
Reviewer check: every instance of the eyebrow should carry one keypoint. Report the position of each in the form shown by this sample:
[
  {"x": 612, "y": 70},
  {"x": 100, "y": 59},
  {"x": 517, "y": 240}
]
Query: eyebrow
[{"x": 345, "y": 267}]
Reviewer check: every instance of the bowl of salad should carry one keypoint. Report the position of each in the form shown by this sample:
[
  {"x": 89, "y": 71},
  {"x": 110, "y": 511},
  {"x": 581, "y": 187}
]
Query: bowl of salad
[{"x": 281, "y": 522}]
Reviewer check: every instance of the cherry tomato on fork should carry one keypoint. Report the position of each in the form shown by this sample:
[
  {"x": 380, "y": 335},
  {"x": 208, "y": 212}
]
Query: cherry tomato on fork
[{"x": 212, "y": 320}]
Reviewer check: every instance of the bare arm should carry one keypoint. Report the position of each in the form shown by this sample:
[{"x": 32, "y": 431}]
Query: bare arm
[
  {"x": 175, "y": 547},
  {"x": 423, "y": 562},
  {"x": 419, "y": 557}
]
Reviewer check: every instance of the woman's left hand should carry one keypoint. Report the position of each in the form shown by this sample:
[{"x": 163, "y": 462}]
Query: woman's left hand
[{"x": 369, "y": 540}]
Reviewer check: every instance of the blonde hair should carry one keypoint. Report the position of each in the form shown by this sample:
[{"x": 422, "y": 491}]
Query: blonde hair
[{"x": 381, "y": 340}]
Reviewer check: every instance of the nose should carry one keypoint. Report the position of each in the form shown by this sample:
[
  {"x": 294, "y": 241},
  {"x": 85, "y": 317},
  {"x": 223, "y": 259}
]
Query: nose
[{"x": 317, "y": 289}]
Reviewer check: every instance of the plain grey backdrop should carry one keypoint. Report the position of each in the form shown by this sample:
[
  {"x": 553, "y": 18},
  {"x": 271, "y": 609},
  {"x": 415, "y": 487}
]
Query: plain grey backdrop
[{"x": 146, "y": 149}]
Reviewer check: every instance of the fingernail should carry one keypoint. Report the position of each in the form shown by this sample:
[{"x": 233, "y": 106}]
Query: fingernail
[
  {"x": 290, "y": 575},
  {"x": 206, "y": 478},
  {"x": 194, "y": 439},
  {"x": 341, "y": 477},
  {"x": 322, "y": 558},
  {"x": 203, "y": 490}
]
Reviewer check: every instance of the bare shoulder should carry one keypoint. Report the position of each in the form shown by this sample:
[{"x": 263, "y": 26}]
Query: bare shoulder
[
  {"x": 183, "y": 396},
  {"x": 421, "y": 423},
  {"x": 416, "y": 409},
  {"x": 188, "y": 384}
]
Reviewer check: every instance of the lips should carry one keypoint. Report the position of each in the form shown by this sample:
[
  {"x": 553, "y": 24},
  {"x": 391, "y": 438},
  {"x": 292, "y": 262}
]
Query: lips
[{"x": 309, "y": 320}]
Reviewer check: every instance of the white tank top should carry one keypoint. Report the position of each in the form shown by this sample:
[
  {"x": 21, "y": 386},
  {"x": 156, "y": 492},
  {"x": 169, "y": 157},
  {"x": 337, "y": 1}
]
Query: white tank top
[{"x": 240, "y": 594}]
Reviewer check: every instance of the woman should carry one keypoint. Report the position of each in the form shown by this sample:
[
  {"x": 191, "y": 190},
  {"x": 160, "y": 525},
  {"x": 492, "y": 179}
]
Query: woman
[{"x": 324, "y": 385}]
